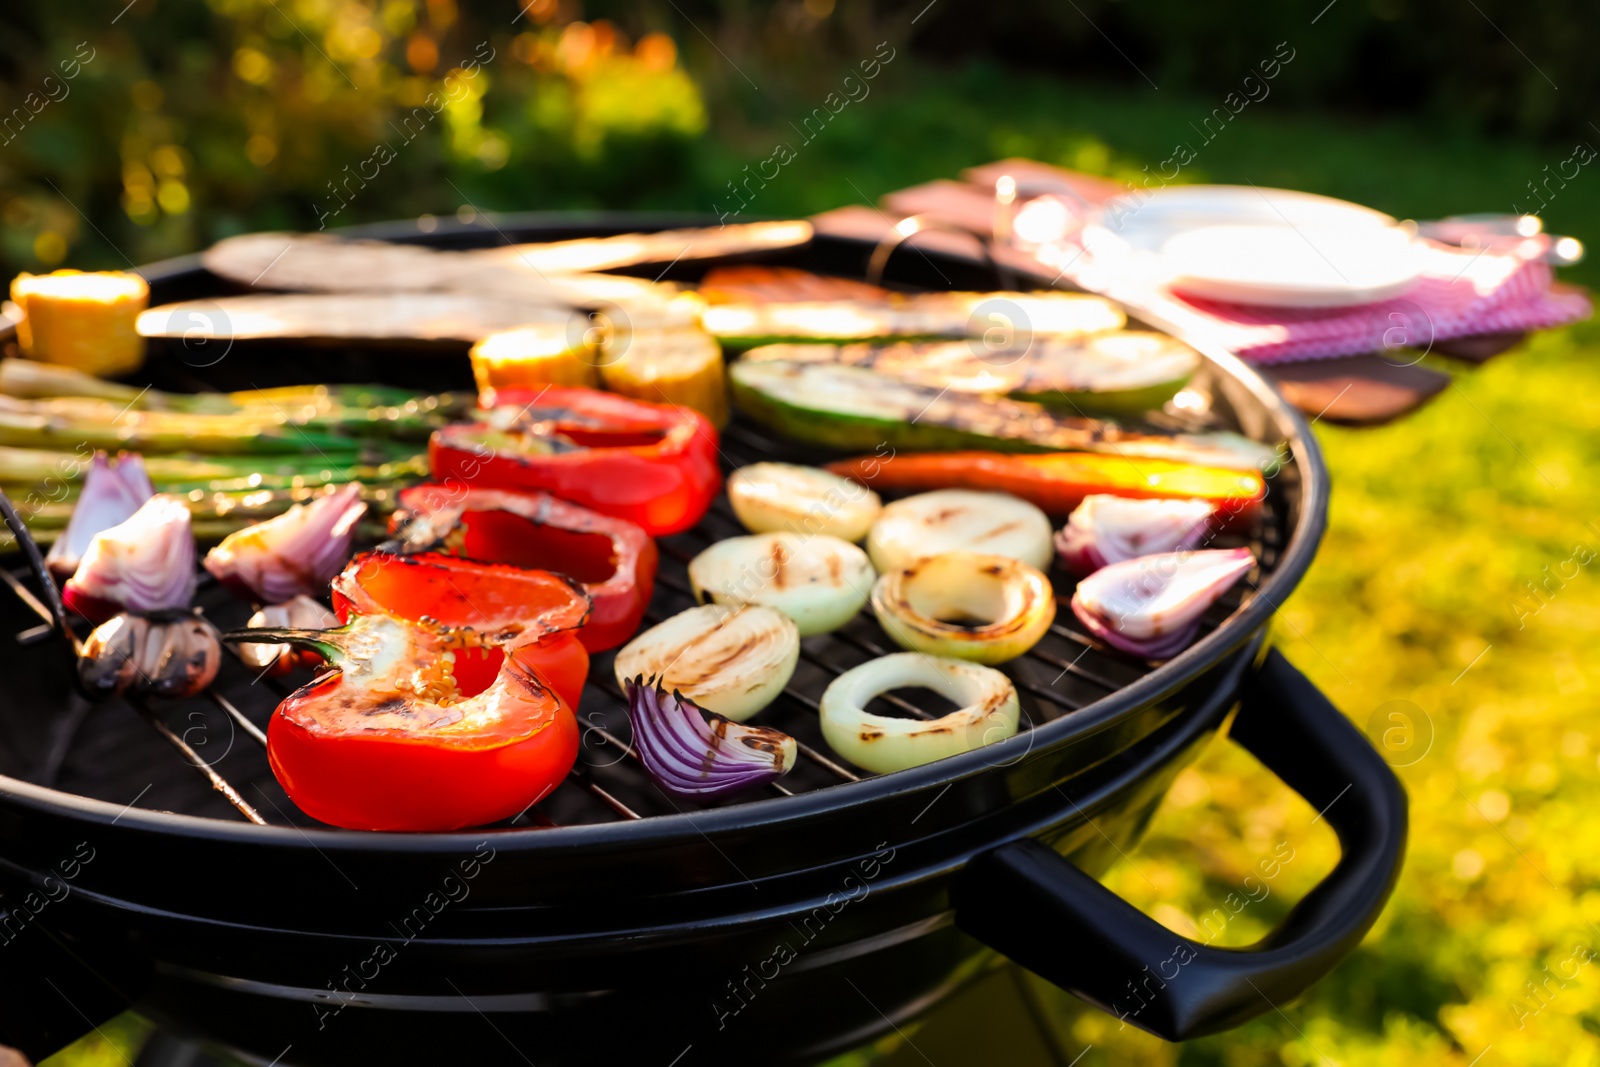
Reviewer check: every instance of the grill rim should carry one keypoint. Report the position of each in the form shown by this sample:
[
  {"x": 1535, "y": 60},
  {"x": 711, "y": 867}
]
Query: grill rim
[{"x": 792, "y": 811}]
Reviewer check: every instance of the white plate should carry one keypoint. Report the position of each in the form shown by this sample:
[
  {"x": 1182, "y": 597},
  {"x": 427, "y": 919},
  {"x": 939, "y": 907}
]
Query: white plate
[{"x": 1248, "y": 245}]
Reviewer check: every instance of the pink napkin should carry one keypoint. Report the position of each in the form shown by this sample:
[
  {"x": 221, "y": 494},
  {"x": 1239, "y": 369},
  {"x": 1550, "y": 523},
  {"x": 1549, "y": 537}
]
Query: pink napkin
[{"x": 1461, "y": 293}]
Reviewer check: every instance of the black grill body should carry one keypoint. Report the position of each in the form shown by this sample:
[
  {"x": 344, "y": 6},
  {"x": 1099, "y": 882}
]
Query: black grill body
[{"x": 612, "y": 925}]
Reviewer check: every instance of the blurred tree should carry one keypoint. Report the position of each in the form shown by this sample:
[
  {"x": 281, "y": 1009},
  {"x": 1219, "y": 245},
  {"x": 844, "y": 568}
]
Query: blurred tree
[{"x": 172, "y": 123}]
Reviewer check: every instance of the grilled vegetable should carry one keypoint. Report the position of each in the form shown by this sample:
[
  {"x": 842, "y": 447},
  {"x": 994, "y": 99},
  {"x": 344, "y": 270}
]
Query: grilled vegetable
[
  {"x": 543, "y": 354},
  {"x": 420, "y": 727},
  {"x": 425, "y": 320},
  {"x": 110, "y": 495},
  {"x": 295, "y": 554},
  {"x": 674, "y": 366},
  {"x": 654, "y": 465},
  {"x": 301, "y": 613},
  {"x": 164, "y": 654},
  {"x": 82, "y": 320},
  {"x": 1060, "y": 482},
  {"x": 989, "y": 609},
  {"x": 144, "y": 564},
  {"x": 665, "y": 246},
  {"x": 854, "y": 408},
  {"x": 220, "y": 474},
  {"x": 783, "y": 497},
  {"x": 1151, "y": 606},
  {"x": 688, "y": 757},
  {"x": 951, "y": 520},
  {"x": 1124, "y": 372},
  {"x": 730, "y": 660},
  {"x": 759, "y": 284},
  {"x": 1109, "y": 529},
  {"x": 355, "y": 407},
  {"x": 988, "y": 711},
  {"x": 503, "y": 606},
  {"x": 613, "y": 558},
  {"x": 913, "y": 316},
  {"x": 818, "y": 581},
  {"x": 323, "y": 263},
  {"x": 98, "y": 424}
]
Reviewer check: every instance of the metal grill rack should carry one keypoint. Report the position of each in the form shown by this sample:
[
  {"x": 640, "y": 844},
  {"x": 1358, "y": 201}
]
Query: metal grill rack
[{"x": 99, "y": 751}]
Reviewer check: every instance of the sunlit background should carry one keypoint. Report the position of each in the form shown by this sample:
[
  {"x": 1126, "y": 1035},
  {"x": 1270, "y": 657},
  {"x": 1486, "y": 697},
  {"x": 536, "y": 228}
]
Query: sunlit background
[{"x": 131, "y": 132}]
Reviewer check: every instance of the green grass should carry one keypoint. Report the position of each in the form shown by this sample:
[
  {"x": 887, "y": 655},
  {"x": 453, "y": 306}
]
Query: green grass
[{"x": 1437, "y": 522}]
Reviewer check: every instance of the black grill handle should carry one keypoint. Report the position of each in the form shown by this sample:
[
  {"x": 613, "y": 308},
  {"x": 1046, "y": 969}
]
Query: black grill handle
[{"x": 1032, "y": 904}]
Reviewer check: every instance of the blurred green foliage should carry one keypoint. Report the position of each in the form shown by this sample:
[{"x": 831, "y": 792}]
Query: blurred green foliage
[
  {"x": 1438, "y": 523},
  {"x": 188, "y": 120}
]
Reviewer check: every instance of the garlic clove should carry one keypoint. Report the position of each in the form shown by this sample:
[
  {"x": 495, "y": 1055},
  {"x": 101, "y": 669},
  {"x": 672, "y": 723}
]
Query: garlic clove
[{"x": 301, "y": 613}]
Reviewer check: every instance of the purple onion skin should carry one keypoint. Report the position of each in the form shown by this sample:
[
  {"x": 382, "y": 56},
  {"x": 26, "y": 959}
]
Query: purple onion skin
[
  {"x": 1078, "y": 554},
  {"x": 1081, "y": 554},
  {"x": 1164, "y": 647},
  {"x": 110, "y": 496},
  {"x": 295, "y": 554},
  {"x": 697, "y": 755},
  {"x": 107, "y": 581}
]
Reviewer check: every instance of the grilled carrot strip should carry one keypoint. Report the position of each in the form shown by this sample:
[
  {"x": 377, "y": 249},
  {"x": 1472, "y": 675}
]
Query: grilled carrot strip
[{"x": 1057, "y": 482}]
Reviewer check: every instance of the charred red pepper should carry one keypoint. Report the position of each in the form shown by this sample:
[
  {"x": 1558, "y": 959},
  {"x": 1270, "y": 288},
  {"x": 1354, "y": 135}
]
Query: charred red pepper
[
  {"x": 420, "y": 728},
  {"x": 613, "y": 558},
  {"x": 453, "y": 699},
  {"x": 654, "y": 465},
  {"x": 502, "y": 605}
]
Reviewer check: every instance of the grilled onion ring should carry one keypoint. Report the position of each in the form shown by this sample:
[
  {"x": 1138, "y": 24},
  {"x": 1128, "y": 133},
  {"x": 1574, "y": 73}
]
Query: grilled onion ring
[
  {"x": 881, "y": 744},
  {"x": 988, "y": 609}
]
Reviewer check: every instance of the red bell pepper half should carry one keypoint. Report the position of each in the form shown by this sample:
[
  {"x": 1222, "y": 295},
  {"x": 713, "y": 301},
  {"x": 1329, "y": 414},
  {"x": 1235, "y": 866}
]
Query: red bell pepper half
[
  {"x": 420, "y": 728},
  {"x": 501, "y": 604},
  {"x": 654, "y": 465},
  {"x": 453, "y": 700},
  {"x": 613, "y": 558}
]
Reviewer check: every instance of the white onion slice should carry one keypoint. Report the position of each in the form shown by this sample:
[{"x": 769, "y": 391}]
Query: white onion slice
[
  {"x": 771, "y": 497},
  {"x": 730, "y": 660},
  {"x": 1151, "y": 606},
  {"x": 818, "y": 581},
  {"x": 952, "y": 520},
  {"x": 1108, "y": 529},
  {"x": 988, "y": 609},
  {"x": 988, "y": 711}
]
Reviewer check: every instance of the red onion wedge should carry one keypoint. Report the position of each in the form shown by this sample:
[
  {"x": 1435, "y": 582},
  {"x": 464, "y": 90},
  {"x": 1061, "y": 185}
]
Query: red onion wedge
[
  {"x": 1151, "y": 606},
  {"x": 294, "y": 554},
  {"x": 111, "y": 493},
  {"x": 1108, "y": 529},
  {"x": 142, "y": 565},
  {"x": 698, "y": 755}
]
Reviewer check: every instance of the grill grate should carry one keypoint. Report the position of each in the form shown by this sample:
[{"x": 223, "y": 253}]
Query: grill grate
[{"x": 1066, "y": 671}]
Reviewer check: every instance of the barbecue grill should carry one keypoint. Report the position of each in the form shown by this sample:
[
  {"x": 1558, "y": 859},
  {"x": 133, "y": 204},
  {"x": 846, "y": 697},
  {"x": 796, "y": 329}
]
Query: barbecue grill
[{"x": 149, "y": 859}]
